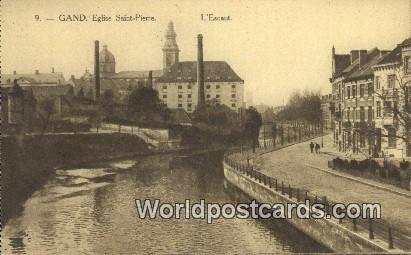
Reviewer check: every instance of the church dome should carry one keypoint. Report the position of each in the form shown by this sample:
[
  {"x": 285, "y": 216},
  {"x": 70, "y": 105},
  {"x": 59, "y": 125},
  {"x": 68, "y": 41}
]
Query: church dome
[{"x": 106, "y": 56}]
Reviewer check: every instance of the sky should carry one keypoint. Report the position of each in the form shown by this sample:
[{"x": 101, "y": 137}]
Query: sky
[{"x": 277, "y": 47}]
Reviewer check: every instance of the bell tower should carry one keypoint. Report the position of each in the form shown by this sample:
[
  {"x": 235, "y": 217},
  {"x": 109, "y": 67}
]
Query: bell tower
[{"x": 170, "y": 49}]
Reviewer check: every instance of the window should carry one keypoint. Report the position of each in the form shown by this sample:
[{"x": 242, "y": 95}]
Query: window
[
  {"x": 370, "y": 113},
  {"x": 354, "y": 91},
  {"x": 217, "y": 96},
  {"x": 362, "y": 114},
  {"x": 208, "y": 96},
  {"x": 377, "y": 82},
  {"x": 233, "y": 86},
  {"x": 189, "y": 96},
  {"x": 391, "y": 80},
  {"x": 232, "y": 95},
  {"x": 370, "y": 89},
  {"x": 407, "y": 64},
  {"x": 189, "y": 106},
  {"x": 180, "y": 105},
  {"x": 232, "y": 105},
  {"x": 164, "y": 96},
  {"x": 392, "y": 137},
  {"x": 348, "y": 92},
  {"x": 387, "y": 108},
  {"x": 348, "y": 114},
  {"x": 180, "y": 87},
  {"x": 217, "y": 86},
  {"x": 188, "y": 86},
  {"x": 180, "y": 96},
  {"x": 208, "y": 86},
  {"x": 378, "y": 108},
  {"x": 164, "y": 86},
  {"x": 362, "y": 89}
]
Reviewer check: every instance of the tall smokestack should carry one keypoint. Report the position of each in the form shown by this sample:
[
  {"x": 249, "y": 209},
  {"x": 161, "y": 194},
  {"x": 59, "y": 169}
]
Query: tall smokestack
[
  {"x": 150, "y": 79},
  {"x": 200, "y": 71},
  {"x": 97, "y": 68}
]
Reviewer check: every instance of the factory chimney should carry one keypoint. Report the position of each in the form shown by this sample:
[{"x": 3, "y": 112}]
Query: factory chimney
[
  {"x": 97, "y": 68},
  {"x": 150, "y": 79},
  {"x": 200, "y": 71}
]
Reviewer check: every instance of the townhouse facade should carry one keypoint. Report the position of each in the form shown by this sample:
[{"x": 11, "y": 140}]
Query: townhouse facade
[{"x": 366, "y": 101}]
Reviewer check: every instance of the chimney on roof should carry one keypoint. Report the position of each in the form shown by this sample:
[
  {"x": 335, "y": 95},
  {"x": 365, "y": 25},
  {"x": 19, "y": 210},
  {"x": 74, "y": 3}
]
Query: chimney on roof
[
  {"x": 354, "y": 54},
  {"x": 200, "y": 71},
  {"x": 97, "y": 68},
  {"x": 14, "y": 72},
  {"x": 36, "y": 71},
  {"x": 52, "y": 70},
  {"x": 363, "y": 57}
]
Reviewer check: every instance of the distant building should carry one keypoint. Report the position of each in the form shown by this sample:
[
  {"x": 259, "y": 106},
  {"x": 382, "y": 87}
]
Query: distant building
[
  {"x": 327, "y": 111},
  {"x": 20, "y": 103},
  {"x": 178, "y": 87},
  {"x": 176, "y": 82}
]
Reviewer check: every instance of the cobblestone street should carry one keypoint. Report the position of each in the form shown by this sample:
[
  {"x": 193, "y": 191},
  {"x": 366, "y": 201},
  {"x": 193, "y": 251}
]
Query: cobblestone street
[{"x": 294, "y": 165}]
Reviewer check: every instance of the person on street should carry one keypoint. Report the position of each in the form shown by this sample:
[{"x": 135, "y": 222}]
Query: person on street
[
  {"x": 317, "y": 148},
  {"x": 312, "y": 147}
]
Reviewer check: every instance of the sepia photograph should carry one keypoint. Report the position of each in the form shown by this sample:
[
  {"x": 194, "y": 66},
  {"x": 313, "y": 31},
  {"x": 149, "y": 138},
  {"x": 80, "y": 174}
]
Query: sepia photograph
[{"x": 205, "y": 127}]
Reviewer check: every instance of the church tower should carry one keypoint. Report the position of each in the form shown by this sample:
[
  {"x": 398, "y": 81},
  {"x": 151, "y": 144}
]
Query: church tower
[
  {"x": 107, "y": 63},
  {"x": 170, "y": 49}
]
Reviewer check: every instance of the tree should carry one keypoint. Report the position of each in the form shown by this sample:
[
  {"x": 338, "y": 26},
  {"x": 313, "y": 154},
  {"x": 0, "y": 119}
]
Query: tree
[
  {"x": 47, "y": 107},
  {"x": 274, "y": 133},
  {"x": 80, "y": 93},
  {"x": 253, "y": 122},
  {"x": 108, "y": 104},
  {"x": 304, "y": 106},
  {"x": 396, "y": 104},
  {"x": 144, "y": 105}
]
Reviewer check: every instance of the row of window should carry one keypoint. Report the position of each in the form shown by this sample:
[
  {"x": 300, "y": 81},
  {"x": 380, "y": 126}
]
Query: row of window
[
  {"x": 352, "y": 114},
  {"x": 352, "y": 90},
  {"x": 190, "y": 105},
  {"x": 208, "y": 96},
  {"x": 391, "y": 79},
  {"x": 233, "y": 86}
]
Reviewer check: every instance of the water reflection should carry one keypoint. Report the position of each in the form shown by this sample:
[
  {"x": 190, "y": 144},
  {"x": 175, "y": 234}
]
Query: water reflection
[{"x": 92, "y": 211}]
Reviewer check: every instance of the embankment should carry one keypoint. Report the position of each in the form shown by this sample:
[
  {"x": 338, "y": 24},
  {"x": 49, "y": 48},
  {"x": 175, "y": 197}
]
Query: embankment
[
  {"x": 28, "y": 163},
  {"x": 326, "y": 231}
]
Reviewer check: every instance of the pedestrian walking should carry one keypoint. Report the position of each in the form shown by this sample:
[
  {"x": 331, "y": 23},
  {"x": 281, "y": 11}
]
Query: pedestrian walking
[
  {"x": 312, "y": 147},
  {"x": 317, "y": 148}
]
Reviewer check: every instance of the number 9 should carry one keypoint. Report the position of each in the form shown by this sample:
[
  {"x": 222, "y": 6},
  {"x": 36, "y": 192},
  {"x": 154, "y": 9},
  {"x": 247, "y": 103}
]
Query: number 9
[{"x": 37, "y": 17}]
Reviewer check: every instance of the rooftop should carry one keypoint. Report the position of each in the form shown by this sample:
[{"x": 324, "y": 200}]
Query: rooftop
[{"x": 213, "y": 71}]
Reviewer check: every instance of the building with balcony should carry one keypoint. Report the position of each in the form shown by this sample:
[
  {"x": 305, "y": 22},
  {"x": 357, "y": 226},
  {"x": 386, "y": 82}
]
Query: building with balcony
[{"x": 392, "y": 76}]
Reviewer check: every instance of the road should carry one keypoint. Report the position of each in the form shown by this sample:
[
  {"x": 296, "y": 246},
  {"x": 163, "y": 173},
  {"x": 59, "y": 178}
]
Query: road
[{"x": 293, "y": 165}]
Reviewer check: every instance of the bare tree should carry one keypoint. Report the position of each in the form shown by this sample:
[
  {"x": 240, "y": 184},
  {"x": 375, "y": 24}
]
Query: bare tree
[{"x": 399, "y": 105}]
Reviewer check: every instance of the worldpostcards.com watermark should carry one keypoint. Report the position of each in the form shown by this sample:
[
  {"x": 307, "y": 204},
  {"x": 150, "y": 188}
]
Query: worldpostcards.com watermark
[{"x": 305, "y": 210}]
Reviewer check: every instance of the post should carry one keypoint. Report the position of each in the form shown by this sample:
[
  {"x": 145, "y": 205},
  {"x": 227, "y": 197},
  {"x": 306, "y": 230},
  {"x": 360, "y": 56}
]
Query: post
[
  {"x": 354, "y": 224},
  {"x": 298, "y": 195},
  {"x": 390, "y": 240},
  {"x": 282, "y": 188},
  {"x": 370, "y": 229},
  {"x": 276, "y": 185},
  {"x": 290, "y": 192}
]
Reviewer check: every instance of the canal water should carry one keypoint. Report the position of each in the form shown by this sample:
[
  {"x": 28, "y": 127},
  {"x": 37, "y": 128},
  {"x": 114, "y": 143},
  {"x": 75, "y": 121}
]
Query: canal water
[{"x": 91, "y": 210}]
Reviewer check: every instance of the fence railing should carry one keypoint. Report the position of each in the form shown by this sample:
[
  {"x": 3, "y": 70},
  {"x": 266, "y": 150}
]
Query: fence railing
[{"x": 376, "y": 228}]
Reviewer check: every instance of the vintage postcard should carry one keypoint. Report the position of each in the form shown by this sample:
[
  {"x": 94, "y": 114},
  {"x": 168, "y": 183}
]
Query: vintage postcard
[{"x": 205, "y": 127}]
